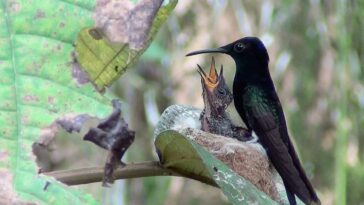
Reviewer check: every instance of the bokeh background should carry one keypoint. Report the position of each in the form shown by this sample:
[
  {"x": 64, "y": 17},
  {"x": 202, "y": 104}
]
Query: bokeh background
[{"x": 316, "y": 53}]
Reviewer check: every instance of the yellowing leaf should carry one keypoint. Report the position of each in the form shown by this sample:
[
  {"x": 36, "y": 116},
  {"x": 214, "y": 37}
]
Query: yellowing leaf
[{"x": 107, "y": 50}]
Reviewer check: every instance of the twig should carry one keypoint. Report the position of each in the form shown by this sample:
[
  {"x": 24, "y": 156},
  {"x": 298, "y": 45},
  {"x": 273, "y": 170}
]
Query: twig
[{"x": 135, "y": 170}]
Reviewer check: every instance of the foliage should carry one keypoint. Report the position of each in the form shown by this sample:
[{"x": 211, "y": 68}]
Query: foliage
[
  {"x": 103, "y": 60},
  {"x": 40, "y": 83},
  {"x": 37, "y": 87}
]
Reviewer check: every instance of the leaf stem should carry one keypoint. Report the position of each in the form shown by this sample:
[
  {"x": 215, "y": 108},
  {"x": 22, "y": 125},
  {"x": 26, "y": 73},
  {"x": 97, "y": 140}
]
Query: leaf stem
[{"x": 133, "y": 170}]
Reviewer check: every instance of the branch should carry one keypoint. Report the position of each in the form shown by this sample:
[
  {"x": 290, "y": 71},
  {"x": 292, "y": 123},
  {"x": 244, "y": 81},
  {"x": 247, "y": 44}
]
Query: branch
[{"x": 135, "y": 170}]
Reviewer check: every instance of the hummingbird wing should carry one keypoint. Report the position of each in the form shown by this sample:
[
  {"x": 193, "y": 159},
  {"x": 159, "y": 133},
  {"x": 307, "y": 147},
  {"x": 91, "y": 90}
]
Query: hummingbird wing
[{"x": 267, "y": 120}]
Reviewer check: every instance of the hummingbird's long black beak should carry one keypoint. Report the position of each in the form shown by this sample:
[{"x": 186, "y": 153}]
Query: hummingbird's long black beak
[{"x": 212, "y": 50}]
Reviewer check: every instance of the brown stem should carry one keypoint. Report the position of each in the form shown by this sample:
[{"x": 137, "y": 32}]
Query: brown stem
[{"x": 134, "y": 170}]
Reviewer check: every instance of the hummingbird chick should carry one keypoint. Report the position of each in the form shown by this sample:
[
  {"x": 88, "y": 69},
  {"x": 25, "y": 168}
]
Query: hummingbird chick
[{"x": 217, "y": 97}]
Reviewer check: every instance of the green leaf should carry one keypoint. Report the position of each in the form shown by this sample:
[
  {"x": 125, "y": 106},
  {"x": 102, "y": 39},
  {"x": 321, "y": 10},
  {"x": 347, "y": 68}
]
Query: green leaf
[
  {"x": 36, "y": 88},
  {"x": 40, "y": 84},
  {"x": 182, "y": 154},
  {"x": 103, "y": 59}
]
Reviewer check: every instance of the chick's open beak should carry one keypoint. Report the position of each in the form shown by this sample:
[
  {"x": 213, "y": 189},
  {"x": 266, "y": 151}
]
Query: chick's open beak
[{"x": 212, "y": 80}]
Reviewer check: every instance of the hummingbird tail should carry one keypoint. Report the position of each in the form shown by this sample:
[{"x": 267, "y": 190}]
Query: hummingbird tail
[{"x": 290, "y": 196}]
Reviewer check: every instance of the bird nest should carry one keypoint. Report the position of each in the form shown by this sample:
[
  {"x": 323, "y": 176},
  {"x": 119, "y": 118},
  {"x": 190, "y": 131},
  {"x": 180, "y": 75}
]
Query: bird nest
[{"x": 248, "y": 159}]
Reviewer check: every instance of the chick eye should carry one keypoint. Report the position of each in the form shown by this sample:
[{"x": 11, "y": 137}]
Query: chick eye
[
  {"x": 239, "y": 47},
  {"x": 221, "y": 91}
]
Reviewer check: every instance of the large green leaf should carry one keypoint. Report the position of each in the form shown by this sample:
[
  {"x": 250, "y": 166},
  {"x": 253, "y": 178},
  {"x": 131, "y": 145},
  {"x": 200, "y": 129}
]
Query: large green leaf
[
  {"x": 182, "y": 154},
  {"x": 36, "y": 88}
]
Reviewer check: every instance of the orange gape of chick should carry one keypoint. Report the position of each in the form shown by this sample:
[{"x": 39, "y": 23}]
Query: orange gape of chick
[{"x": 217, "y": 96}]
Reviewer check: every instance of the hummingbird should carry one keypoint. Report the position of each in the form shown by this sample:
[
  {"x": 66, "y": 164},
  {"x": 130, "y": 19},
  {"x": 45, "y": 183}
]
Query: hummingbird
[
  {"x": 257, "y": 103},
  {"x": 217, "y": 97}
]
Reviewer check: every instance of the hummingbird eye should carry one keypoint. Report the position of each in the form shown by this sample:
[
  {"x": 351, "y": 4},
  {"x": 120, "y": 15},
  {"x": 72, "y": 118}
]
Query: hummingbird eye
[{"x": 239, "y": 47}]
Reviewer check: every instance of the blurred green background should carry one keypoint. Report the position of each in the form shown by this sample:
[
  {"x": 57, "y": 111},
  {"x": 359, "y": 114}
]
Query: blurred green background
[{"x": 316, "y": 53}]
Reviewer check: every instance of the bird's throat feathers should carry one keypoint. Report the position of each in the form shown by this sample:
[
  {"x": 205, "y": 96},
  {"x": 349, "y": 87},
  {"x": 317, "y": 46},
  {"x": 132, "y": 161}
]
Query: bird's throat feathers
[{"x": 251, "y": 72}]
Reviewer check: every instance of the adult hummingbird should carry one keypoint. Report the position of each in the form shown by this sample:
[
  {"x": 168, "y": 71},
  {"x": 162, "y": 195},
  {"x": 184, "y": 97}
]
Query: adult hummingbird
[{"x": 257, "y": 103}]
